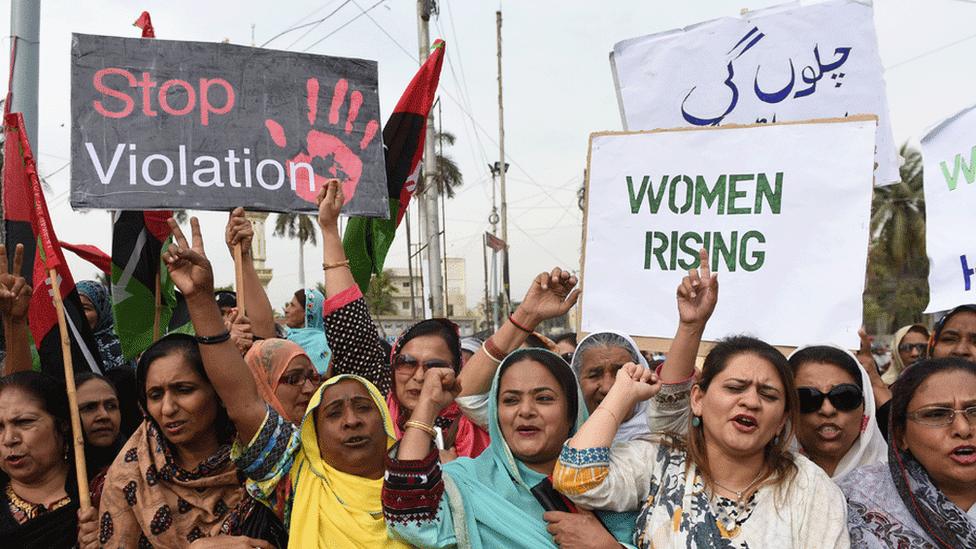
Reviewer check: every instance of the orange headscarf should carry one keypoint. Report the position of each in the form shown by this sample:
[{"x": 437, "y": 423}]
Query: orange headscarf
[{"x": 267, "y": 360}]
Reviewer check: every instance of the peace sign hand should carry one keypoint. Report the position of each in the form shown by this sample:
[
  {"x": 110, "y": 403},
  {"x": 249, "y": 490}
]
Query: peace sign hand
[
  {"x": 188, "y": 264},
  {"x": 15, "y": 292},
  {"x": 698, "y": 293}
]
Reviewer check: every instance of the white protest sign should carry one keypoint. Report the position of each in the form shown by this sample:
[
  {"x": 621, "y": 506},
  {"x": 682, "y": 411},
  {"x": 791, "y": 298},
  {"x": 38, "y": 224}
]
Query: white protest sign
[
  {"x": 783, "y": 210},
  {"x": 783, "y": 64},
  {"x": 949, "y": 156}
]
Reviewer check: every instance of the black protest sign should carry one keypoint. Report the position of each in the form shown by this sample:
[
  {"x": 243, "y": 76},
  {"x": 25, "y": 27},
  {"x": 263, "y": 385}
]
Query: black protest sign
[{"x": 161, "y": 124}]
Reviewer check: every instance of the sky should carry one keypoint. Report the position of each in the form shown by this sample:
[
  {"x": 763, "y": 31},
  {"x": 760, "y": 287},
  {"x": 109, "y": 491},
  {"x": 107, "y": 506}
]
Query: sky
[{"x": 557, "y": 90}]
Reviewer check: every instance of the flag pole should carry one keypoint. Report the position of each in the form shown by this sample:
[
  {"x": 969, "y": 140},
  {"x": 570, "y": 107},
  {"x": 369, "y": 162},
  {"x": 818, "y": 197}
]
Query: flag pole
[
  {"x": 239, "y": 276},
  {"x": 81, "y": 471},
  {"x": 159, "y": 308}
]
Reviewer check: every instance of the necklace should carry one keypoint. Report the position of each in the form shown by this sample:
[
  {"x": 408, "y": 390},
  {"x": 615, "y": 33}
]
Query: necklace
[{"x": 738, "y": 493}]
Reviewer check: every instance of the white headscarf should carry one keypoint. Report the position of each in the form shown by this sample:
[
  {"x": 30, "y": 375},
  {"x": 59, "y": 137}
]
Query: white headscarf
[
  {"x": 636, "y": 426},
  {"x": 870, "y": 446}
]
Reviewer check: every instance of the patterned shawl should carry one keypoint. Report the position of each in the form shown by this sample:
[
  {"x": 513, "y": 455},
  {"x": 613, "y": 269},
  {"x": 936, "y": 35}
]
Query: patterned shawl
[
  {"x": 149, "y": 499},
  {"x": 108, "y": 343}
]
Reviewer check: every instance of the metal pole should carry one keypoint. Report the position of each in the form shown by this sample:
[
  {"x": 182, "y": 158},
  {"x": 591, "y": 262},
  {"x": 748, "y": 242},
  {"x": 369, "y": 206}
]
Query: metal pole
[
  {"x": 429, "y": 199},
  {"x": 501, "y": 170},
  {"x": 489, "y": 321},
  {"x": 413, "y": 295},
  {"x": 25, "y": 30}
]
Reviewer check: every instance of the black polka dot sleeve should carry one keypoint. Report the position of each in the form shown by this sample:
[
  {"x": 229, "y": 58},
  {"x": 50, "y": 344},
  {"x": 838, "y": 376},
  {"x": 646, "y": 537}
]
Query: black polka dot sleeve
[{"x": 354, "y": 340}]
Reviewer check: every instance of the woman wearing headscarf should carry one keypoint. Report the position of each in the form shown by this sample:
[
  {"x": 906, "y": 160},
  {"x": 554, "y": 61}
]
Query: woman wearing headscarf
[
  {"x": 174, "y": 481},
  {"x": 908, "y": 345},
  {"x": 306, "y": 326},
  {"x": 98, "y": 310},
  {"x": 101, "y": 421},
  {"x": 432, "y": 343},
  {"x": 334, "y": 460},
  {"x": 284, "y": 375},
  {"x": 38, "y": 491},
  {"x": 837, "y": 427},
  {"x": 496, "y": 499},
  {"x": 955, "y": 334},
  {"x": 595, "y": 363},
  {"x": 727, "y": 478},
  {"x": 925, "y": 496}
]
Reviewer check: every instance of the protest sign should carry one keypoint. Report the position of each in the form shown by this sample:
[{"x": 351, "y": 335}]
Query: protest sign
[
  {"x": 783, "y": 210},
  {"x": 949, "y": 160},
  {"x": 160, "y": 124},
  {"x": 783, "y": 64}
]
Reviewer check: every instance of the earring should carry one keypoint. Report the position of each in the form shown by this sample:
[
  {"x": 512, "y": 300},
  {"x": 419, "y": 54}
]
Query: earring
[
  {"x": 67, "y": 452},
  {"x": 696, "y": 421},
  {"x": 776, "y": 440}
]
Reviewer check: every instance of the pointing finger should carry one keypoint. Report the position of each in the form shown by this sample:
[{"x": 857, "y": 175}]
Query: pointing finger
[{"x": 706, "y": 269}]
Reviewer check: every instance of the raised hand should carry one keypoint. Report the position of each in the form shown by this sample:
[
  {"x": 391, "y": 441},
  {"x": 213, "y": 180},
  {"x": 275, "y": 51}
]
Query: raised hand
[
  {"x": 698, "y": 293},
  {"x": 440, "y": 388},
  {"x": 240, "y": 330},
  {"x": 188, "y": 264},
  {"x": 550, "y": 295},
  {"x": 330, "y": 200},
  {"x": 633, "y": 384},
  {"x": 238, "y": 230},
  {"x": 15, "y": 292}
]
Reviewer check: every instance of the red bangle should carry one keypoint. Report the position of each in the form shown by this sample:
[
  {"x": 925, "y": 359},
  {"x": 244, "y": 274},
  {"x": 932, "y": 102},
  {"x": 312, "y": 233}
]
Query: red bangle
[
  {"x": 493, "y": 351},
  {"x": 511, "y": 318}
]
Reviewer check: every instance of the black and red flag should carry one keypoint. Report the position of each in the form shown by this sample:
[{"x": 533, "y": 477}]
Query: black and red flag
[
  {"x": 367, "y": 240},
  {"x": 138, "y": 239},
  {"x": 27, "y": 222}
]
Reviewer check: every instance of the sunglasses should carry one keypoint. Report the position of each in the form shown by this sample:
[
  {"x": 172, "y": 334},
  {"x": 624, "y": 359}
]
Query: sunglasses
[
  {"x": 298, "y": 378},
  {"x": 844, "y": 397},
  {"x": 403, "y": 364},
  {"x": 909, "y": 347}
]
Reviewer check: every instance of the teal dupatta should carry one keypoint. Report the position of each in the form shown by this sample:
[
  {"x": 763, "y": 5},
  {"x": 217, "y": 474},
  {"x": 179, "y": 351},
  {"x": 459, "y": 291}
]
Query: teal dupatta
[{"x": 488, "y": 500}]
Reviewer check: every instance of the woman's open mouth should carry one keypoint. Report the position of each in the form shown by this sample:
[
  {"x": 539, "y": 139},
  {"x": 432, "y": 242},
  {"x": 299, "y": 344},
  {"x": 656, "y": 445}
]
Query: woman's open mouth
[
  {"x": 964, "y": 455},
  {"x": 357, "y": 441},
  {"x": 745, "y": 423}
]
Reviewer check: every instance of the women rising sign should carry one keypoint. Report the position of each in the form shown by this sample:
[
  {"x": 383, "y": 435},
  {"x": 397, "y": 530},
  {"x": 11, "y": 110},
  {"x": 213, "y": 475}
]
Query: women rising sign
[{"x": 160, "y": 124}]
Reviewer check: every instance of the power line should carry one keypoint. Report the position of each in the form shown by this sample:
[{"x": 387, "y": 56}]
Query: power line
[
  {"x": 344, "y": 25},
  {"x": 930, "y": 52},
  {"x": 311, "y": 24}
]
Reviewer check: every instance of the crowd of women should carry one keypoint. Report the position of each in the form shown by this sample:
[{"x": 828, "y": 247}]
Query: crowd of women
[{"x": 315, "y": 434}]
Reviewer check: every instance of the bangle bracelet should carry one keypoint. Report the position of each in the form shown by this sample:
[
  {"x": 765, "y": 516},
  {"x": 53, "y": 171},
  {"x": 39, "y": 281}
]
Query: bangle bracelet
[
  {"x": 429, "y": 429},
  {"x": 214, "y": 339},
  {"x": 327, "y": 266},
  {"x": 484, "y": 347},
  {"x": 613, "y": 415},
  {"x": 493, "y": 351},
  {"x": 511, "y": 318}
]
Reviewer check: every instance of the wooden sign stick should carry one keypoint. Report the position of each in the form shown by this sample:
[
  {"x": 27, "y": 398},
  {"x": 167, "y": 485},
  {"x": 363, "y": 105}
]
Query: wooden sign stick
[
  {"x": 81, "y": 471},
  {"x": 239, "y": 276},
  {"x": 159, "y": 308}
]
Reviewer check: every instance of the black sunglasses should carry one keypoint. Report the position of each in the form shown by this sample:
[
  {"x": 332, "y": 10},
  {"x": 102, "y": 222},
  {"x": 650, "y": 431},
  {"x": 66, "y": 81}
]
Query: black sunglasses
[
  {"x": 844, "y": 397},
  {"x": 909, "y": 347}
]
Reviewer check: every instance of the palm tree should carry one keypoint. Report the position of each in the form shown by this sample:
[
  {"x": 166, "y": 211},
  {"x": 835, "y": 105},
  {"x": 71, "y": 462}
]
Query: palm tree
[
  {"x": 448, "y": 175},
  {"x": 379, "y": 295},
  {"x": 293, "y": 225},
  {"x": 896, "y": 289}
]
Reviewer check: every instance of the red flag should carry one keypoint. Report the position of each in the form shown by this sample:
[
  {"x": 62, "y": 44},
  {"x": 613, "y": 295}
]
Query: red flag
[
  {"x": 367, "y": 241},
  {"x": 91, "y": 254},
  {"x": 28, "y": 222},
  {"x": 494, "y": 242},
  {"x": 145, "y": 23}
]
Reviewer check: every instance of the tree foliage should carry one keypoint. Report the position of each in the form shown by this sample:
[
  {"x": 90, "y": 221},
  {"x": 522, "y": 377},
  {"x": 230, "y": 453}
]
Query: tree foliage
[
  {"x": 896, "y": 290},
  {"x": 293, "y": 225},
  {"x": 448, "y": 176},
  {"x": 379, "y": 295}
]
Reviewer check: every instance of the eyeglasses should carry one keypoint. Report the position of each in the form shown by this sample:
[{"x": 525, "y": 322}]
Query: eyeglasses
[
  {"x": 403, "y": 364},
  {"x": 937, "y": 416},
  {"x": 297, "y": 378},
  {"x": 909, "y": 347},
  {"x": 844, "y": 397}
]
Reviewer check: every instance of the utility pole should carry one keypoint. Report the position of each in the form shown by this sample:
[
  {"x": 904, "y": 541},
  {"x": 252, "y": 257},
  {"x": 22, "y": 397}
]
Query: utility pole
[
  {"x": 428, "y": 200},
  {"x": 502, "y": 169},
  {"x": 25, "y": 30}
]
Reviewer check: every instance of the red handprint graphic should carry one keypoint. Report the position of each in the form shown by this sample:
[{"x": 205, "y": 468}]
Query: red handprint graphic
[{"x": 328, "y": 153}]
